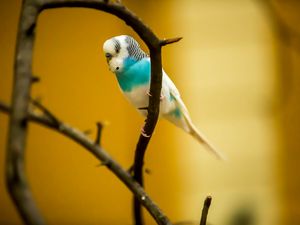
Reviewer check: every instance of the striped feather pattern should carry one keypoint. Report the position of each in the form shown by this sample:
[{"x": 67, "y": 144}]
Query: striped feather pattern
[{"x": 134, "y": 50}]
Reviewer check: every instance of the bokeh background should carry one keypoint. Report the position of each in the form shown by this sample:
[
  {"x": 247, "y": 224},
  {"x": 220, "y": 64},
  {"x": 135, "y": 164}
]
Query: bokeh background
[{"x": 238, "y": 72}]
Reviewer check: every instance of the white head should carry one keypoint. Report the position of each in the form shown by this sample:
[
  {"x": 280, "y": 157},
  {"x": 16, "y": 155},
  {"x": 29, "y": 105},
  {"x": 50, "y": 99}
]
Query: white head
[{"x": 119, "y": 48}]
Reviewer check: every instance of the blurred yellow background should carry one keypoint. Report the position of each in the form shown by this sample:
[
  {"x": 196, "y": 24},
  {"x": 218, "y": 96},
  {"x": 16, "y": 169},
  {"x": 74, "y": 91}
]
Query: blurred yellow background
[{"x": 237, "y": 76}]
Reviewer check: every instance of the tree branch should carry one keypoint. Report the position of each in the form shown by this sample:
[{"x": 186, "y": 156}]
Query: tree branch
[
  {"x": 205, "y": 209},
  {"x": 49, "y": 114},
  {"x": 80, "y": 138},
  {"x": 16, "y": 180}
]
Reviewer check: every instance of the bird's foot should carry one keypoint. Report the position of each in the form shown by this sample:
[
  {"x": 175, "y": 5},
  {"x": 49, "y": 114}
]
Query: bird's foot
[
  {"x": 161, "y": 95},
  {"x": 148, "y": 93},
  {"x": 144, "y": 133}
]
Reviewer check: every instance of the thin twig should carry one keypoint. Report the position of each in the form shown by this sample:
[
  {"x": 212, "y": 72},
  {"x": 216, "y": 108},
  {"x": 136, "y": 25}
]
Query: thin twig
[
  {"x": 35, "y": 79},
  {"x": 80, "y": 138},
  {"x": 170, "y": 41},
  {"x": 49, "y": 114},
  {"x": 205, "y": 209},
  {"x": 99, "y": 131}
]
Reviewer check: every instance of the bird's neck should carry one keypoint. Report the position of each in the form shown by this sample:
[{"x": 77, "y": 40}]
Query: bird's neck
[{"x": 134, "y": 74}]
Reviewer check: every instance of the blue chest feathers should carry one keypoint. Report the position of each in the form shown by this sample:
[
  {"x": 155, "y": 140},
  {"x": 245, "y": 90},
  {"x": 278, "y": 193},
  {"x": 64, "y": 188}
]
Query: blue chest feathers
[{"x": 134, "y": 74}]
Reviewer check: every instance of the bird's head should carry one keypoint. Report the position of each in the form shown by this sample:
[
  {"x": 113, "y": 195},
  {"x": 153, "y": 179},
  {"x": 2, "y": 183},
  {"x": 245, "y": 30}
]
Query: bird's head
[{"x": 121, "y": 52}]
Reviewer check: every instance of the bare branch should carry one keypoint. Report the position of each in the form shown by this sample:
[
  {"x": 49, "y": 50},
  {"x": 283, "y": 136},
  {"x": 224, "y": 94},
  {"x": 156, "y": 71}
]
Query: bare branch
[
  {"x": 205, "y": 209},
  {"x": 80, "y": 138},
  {"x": 138, "y": 174},
  {"x": 47, "y": 113},
  {"x": 16, "y": 181},
  {"x": 170, "y": 41},
  {"x": 153, "y": 112}
]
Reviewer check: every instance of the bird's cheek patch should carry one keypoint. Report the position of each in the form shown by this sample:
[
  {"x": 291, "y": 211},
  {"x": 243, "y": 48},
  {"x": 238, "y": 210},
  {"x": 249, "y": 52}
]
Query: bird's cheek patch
[{"x": 115, "y": 66}]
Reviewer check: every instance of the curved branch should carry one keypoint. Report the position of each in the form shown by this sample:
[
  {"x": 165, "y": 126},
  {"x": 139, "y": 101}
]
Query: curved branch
[
  {"x": 80, "y": 138},
  {"x": 112, "y": 7}
]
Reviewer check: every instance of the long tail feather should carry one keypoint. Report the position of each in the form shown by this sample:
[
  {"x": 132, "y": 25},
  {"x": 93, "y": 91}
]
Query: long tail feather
[
  {"x": 203, "y": 140},
  {"x": 187, "y": 125}
]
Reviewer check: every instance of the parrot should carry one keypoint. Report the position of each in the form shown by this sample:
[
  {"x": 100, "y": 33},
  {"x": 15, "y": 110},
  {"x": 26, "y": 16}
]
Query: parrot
[{"x": 132, "y": 68}]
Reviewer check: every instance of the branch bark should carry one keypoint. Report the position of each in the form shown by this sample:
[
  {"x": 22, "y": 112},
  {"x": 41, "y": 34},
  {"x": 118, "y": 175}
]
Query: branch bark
[{"x": 16, "y": 180}]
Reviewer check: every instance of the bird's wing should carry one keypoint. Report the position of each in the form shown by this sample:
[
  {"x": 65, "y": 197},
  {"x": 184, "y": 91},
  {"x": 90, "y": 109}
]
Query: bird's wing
[
  {"x": 169, "y": 83},
  {"x": 175, "y": 93}
]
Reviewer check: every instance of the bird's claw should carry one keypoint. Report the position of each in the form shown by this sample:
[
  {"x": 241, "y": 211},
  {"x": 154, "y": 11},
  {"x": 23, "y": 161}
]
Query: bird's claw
[
  {"x": 144, "y": 133},
  {"x": 148, "y": 93},
  {"x": 160, "y": 98}
]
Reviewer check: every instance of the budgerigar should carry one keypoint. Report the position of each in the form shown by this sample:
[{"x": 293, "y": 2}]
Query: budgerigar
[{"x": 131, "y": 66}]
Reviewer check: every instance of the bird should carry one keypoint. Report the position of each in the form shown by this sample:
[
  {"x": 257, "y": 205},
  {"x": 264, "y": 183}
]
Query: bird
[{"x": 132, "y": 68}]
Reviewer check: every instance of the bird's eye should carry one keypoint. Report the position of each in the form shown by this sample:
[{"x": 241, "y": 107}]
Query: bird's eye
[{"x": 108, "y": 55}]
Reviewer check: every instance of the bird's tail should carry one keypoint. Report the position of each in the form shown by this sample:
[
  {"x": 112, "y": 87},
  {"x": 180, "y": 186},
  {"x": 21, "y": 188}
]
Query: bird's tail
[
  {"x": 203, "y": 140},
  {"x": 187, "y": 124}
]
